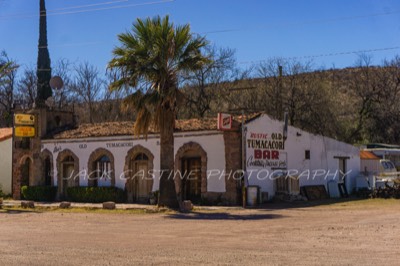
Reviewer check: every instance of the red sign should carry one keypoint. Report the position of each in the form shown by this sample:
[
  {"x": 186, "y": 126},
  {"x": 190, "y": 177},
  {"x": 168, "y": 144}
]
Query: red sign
[{"x": 224, "y": 121}]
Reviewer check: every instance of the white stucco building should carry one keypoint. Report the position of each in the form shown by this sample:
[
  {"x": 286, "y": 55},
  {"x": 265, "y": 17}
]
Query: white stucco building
[
  {"x": 208, "y": 162},
  {"x": 6, "y": 159},
  {"x": 276, "y": 162},
  {"x": 92, "y": 149}
]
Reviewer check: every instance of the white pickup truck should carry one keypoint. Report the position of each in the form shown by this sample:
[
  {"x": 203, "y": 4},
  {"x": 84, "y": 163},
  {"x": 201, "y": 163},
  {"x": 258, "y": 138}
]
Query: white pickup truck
[{"x": 384, "y": 173}]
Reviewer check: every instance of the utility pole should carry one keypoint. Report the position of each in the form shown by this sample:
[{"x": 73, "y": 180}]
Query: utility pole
[{"x": 279, "y": 102}]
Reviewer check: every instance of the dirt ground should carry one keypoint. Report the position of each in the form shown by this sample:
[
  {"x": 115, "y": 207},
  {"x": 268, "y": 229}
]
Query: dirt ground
[{"x": 353, "y": 233}]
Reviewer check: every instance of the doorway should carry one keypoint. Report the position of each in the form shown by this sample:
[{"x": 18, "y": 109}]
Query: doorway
[
  {"x": 47, "y": 172},
  {"x": 68, "y": 178},
  {"x": 26, "y": 172},
  {"x": 191, "y": 179},
  {"x": 342, "y": 177},
  {"x": 141, "y": 183}
]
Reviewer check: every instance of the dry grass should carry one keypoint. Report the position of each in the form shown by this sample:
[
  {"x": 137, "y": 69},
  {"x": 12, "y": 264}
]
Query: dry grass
[{"x": 41, "y": 209}]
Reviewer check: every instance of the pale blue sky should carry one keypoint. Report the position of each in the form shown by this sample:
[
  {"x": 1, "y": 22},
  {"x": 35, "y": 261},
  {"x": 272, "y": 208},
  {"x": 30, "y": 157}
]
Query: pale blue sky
[{"x": 256, "y": 29}]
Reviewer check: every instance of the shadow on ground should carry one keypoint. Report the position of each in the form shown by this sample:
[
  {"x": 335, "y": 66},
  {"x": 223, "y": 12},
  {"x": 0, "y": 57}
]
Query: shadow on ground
[
  {"x": 307, "y": 204},
  {"x": 222, "y": 216},
  {"x": 10, "y": 211}
]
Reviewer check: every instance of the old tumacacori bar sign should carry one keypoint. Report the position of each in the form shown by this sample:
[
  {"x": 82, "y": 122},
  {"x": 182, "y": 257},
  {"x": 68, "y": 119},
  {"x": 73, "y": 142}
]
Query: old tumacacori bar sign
[{"x": 266, "y": 150}]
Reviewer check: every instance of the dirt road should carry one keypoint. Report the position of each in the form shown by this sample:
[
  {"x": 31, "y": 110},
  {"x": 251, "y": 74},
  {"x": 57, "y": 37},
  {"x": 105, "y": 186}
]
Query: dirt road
[{"x": 341, "y": 234}]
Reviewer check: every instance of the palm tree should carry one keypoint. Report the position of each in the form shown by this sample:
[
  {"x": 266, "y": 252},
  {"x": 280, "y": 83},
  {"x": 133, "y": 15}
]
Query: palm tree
[{"x": 151, "y": 58}]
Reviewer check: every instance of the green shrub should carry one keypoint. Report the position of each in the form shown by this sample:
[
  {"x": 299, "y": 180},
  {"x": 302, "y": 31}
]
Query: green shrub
[
  {"x": 95, "y": 194},
  {"x": 38, "y": 193}
]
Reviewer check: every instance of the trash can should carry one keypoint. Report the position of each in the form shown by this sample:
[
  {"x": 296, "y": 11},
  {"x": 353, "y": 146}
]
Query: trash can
[{"x": 252, "y": 195}]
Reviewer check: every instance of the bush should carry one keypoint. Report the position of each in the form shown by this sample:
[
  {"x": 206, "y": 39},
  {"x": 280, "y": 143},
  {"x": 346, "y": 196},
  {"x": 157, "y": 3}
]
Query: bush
[
  {"x": 95, "y": 194},
  {"x": 38, "y": 193}
]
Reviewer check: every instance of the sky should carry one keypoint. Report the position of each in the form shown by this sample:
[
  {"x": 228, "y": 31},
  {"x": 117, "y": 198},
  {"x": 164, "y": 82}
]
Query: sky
[{"x": 331, "y": 33}]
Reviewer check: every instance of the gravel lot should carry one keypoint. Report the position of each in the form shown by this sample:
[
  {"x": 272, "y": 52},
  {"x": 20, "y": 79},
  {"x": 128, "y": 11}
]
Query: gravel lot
[{"x": 354, "y": 233}]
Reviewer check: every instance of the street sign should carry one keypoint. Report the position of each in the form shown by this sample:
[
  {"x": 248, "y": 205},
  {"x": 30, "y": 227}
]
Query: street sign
[
  {"x": 24, "y": 132},
  {"x": 24, "y": 119}
]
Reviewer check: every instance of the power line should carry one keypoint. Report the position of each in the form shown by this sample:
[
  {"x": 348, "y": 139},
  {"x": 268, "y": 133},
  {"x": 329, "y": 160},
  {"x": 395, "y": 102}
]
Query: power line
[
  {"x": 296, "y": 57},
  {"x": 300, "y": 23},
  {"x": 112, "y": 7},
  {"x": 328, "y": 54},
  {"x": 60, "y": 11},
  {"x": 31, "y": 14},
  {"x": 91, "y": 5}
]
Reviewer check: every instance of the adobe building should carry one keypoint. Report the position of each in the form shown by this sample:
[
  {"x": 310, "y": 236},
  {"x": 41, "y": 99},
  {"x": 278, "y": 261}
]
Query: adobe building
[
  {"x": 29, "y": 167},
  {"x": 91, "y": 150},
  {"x": 107, "y": 154}
]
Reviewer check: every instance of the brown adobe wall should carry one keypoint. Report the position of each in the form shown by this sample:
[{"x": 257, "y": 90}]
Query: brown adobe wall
[{"x": 233, "y": 154}]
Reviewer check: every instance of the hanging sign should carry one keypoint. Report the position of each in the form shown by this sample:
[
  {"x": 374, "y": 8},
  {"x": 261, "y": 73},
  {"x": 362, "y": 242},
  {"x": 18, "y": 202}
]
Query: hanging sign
[
  {"x": 24, "y": 119},
  {"x": 224, "y": 121}
]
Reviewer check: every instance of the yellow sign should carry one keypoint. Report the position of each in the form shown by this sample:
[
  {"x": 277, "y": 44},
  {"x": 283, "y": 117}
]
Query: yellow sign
[
  {"x": 24, "y": 119},
  {"x": 24, "y": 131}
]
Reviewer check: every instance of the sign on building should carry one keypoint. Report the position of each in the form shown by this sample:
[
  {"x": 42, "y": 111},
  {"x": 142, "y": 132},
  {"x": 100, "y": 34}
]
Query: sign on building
[
  {"x": 24, "y": 132},
  {"x": 24, "y": 125},
  {"x": 224, "y": 121},
  {"x": 266, "y": 150},
  {"x": 24, "y": 119}
]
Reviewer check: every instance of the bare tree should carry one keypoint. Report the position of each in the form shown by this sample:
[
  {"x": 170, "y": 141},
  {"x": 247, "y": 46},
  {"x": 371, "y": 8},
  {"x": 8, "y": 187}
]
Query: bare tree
[
  {"x": 8, "y": 71},
  {"x": 88, "y": 86},
  {"x": 27, "y": 88},
  {"x": 205, "y": 86},
  {"x": 64, "y": 96}
]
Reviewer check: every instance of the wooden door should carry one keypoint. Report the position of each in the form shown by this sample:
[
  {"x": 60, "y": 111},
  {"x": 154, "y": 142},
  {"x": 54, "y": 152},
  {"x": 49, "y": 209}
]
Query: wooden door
[
  {"x": 67, "y": 176},
  {"x": 191, "y": 183},
  {"x": 142, "y": 181}
]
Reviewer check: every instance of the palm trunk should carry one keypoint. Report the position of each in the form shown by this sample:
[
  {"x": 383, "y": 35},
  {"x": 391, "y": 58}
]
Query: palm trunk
[{"x": 167, "y": 196}]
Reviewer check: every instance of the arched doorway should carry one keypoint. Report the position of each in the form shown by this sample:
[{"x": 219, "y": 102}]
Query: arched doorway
[
  {"x": 101, "y": 171},
  {"x": 191, "y": 163},
  {"x": 139, "y": 182},
  {"x": 47, "y": 168},
  {"x": 47, "y": 172},
  {"x": 68, "y": 171},
  {"x": 26, "y": 171}
]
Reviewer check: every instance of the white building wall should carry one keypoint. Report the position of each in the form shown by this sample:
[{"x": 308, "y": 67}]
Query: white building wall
[
  {"x": 214, "y": 146},
  {"x": 322, "y": 166},
  {"x": 211, "y": 142},
  {"x": 6, "y": 165}
]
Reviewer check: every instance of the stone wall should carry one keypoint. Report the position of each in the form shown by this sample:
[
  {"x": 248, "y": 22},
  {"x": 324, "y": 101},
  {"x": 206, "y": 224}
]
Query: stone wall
[
  {"x": 46, "y": 121},
  {"x": 233, "y": 155}
]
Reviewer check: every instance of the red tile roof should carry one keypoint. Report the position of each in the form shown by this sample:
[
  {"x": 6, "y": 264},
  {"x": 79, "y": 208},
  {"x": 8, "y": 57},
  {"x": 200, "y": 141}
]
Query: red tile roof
[
  {"x": 5, "y": 133},
  {"x": 367, "y": 155},
  {"x": 107, "y": 129}
]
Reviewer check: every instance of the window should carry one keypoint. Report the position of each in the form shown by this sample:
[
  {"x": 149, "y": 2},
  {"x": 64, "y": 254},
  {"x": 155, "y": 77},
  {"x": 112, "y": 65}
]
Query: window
[
  {"x": 307, "y": 154},
  {"x": 287, "y": 184},
  {"x": 102, "y": 173},
  {"x": 68, "y": 159},
  {"x": 141, "y": 157}
]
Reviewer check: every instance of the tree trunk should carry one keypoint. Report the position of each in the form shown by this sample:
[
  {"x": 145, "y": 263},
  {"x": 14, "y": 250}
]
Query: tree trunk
[{"x": 167, "y": 196}]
